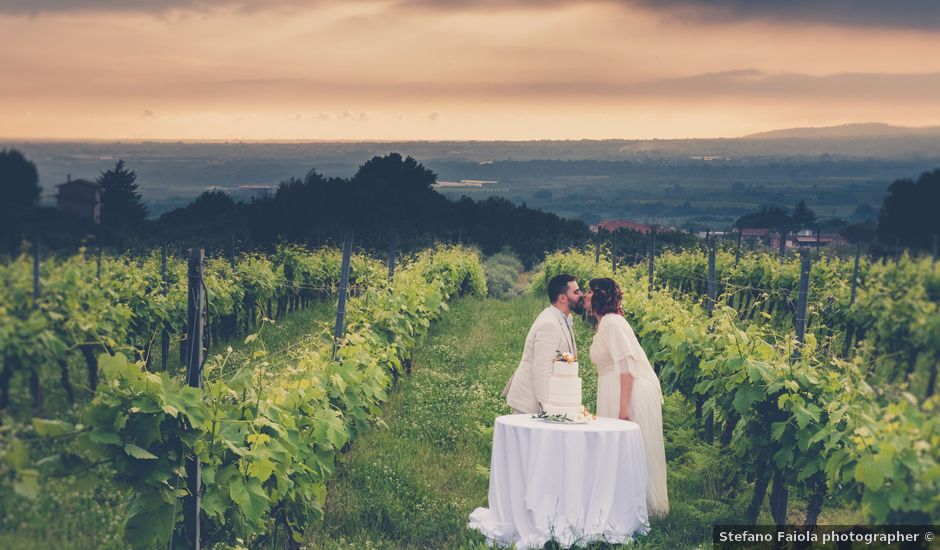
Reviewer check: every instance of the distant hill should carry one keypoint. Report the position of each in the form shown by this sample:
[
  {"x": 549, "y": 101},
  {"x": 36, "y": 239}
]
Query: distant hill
[{"x": 857, "y": 130}]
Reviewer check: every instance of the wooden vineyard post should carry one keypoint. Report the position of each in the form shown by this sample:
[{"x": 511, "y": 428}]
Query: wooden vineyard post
[
  {"x": 613, "y": 255},
  {"x": 194, "y": 333},
  {"x": 35, "y": 386},
  {"x": 737, "y": 248},
  {"x": 802, "y": 297},
  {"x": 779, "y": 497},
  {"x": 650, "y": 267},
  {"x": 710, "y": 307},
  {"x": 710, "y": 289},
  {"x": 36, "y": 274},
  {"x": 343, "y": 289},
  {"x": 392, "y": 253},
  {"x": 165, "y": 334},
  {"x": 850, "y": 329}
]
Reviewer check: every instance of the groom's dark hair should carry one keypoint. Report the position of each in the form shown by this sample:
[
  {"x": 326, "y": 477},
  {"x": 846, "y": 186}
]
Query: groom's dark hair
[{"x": 558, "y": 285}]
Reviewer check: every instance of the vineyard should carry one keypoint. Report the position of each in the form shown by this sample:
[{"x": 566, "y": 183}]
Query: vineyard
[
  {"x": 57, "y": 309},
  {"x": 306, "y": 440},
  {"x": 266, "y": 432},
  {"x": 811, "y": 421},
  {"x": 890, "y": 314}
]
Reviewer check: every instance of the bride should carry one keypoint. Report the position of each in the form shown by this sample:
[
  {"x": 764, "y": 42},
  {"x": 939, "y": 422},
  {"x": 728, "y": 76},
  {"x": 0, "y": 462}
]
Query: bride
[{"x": 627, "y": 387}]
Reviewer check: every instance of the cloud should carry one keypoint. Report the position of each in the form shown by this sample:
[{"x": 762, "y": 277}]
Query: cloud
[
  {"x": 734, "y": 84},
  {"x": 347, "y": 115},
  {"x": 739, "y": 84},
  {"x": 911, "y": 14},
  {"x": 908, "y": 14},
  {"x": 35, "y": 7},
  {"x": 844, "y": 86}
]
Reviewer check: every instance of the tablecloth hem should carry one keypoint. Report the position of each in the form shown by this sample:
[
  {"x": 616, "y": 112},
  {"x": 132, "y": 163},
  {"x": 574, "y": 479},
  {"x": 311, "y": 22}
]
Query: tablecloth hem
[{"x": 505, "y": 535}]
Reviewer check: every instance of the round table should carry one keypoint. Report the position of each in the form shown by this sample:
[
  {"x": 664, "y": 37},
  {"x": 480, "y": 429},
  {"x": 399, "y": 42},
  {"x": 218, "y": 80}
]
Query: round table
[{"x": 572, "y": 483}]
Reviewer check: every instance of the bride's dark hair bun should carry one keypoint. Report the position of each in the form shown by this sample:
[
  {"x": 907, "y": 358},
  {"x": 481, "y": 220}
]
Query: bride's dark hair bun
[{"x": 607, "y": 296}]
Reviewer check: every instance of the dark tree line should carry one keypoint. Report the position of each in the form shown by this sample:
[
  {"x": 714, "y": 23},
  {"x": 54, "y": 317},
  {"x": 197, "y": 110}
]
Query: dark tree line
[
  {"x": 21, "y": 217},
  {"x": 909, "y": 215},
  {"x": 907, "y": 219},
  {"x": 19, "y": 193},
  {"x": 387, "y": 196}
]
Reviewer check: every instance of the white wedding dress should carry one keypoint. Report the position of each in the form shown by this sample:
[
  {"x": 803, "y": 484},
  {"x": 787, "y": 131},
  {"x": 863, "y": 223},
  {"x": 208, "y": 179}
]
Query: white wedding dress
[{"x": 615, "y": 350}]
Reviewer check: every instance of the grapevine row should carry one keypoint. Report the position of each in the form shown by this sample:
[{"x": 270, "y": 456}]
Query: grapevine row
[
  {"x": 267, "y": 439},
  {"x": 87, "y": 306},
  {"x": 893, "y": 317},
  {"x": 812, "y": 422}
]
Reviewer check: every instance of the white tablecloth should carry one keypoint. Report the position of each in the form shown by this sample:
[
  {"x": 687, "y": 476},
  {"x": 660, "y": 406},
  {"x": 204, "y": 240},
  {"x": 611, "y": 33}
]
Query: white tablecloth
[{"x": 570, "y": 483}]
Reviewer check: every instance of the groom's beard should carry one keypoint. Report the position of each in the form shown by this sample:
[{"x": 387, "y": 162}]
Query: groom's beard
[{"x": 577, "y": 308}]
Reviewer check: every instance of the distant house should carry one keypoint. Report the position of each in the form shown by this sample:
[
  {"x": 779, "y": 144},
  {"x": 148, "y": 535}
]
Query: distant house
[
  {"x": 81, "y": 198},
  {"x": 614, "y": 225},
  {"x": 754, "y": 233},
  {"x": 808, "y": 238}
]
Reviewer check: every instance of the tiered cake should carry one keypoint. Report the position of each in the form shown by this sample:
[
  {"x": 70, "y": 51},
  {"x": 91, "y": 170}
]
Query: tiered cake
[{"x": 564, "y": 388}]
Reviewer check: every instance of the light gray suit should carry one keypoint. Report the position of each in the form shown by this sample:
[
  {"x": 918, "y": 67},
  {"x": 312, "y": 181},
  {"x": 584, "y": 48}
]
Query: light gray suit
[{"x": 550, "y": 333}]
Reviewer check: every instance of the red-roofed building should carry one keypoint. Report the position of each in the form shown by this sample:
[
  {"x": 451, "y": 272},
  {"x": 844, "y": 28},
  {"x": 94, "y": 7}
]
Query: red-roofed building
[
  {"x": 614, "y": 225},
  {"x": 755, "y": 232}
]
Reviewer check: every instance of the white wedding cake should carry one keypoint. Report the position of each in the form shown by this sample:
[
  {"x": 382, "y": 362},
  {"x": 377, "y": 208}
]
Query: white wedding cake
[{"x": 564, "y": 388}]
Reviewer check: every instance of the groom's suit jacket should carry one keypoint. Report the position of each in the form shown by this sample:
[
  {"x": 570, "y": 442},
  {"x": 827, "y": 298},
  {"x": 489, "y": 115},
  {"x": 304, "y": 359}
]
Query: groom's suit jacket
[{"x": 550, "y": 333}]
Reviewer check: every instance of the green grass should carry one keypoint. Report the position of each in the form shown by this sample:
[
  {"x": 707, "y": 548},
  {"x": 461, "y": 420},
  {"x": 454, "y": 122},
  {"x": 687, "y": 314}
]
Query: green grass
[
  {"x": 413, "y": 482},
  {"x": 92, "y": 518}
]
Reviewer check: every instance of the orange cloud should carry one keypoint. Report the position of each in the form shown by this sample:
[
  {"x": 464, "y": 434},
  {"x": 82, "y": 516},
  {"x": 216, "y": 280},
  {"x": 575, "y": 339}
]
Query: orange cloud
[{"x": 370, "y": 70}]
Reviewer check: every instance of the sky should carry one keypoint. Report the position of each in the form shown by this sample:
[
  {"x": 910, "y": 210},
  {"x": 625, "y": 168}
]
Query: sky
[{"x": 461, "y": 69}]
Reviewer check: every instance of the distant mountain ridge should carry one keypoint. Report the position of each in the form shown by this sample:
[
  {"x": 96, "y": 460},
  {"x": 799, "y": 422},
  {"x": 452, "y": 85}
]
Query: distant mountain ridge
[{"x": 855, "y": 130}]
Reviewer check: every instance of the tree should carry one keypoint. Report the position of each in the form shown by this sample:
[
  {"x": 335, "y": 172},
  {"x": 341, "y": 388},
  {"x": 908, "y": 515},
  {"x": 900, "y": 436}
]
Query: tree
[
  {"x": 19, "y": 192},
  {"x": 120, "y": 202},
  {"x": 858, "y": 232},
  {"x": 19, "y": 180},
  {"x": 393, "y": 175},
  {"x": 802, "y": 215},
  {"x": 864, "y": 213},
  {"x": 212, "y": 203},
  {"x": 768, "y": 217},
  {"x": 908, "y": 213}
]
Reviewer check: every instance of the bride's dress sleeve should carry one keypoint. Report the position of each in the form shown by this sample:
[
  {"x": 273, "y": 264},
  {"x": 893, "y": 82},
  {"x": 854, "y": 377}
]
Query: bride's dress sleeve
[{"x": 617, "y": 336}]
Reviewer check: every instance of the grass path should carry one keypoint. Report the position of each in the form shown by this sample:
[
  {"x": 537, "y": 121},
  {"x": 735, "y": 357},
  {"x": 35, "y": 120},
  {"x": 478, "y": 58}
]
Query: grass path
[{"x": 413, "y": 483}]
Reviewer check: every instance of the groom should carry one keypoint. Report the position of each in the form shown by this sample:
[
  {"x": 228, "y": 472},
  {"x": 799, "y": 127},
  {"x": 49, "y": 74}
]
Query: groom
[{"x": 550, "y": 333}]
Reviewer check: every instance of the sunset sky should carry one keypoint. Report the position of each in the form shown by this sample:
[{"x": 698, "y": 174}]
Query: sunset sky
[{"x": 461, "y": 69}]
